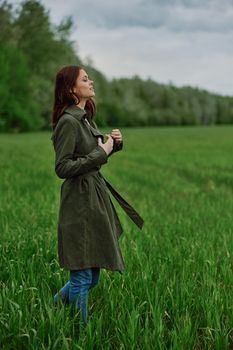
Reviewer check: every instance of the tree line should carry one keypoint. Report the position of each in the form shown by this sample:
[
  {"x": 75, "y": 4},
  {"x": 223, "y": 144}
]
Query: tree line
[{"x": 32, "y": 49}]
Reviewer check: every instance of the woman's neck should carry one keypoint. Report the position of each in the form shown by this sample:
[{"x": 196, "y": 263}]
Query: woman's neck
[{"x": 81, "y": 104}]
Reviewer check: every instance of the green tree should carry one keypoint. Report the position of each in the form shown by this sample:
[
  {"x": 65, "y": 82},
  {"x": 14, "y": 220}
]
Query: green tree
[{"x": 17, "y": 109}]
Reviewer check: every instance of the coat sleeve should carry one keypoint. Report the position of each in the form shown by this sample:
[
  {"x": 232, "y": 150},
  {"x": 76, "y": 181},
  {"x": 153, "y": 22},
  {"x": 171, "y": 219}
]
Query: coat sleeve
[{"x": 64, "y": 144}]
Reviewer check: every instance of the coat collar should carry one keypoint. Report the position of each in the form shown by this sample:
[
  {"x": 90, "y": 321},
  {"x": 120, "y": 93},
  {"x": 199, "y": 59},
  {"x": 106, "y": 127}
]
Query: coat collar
[
  {"x": 80, "y": 114},
  {"x": 76, "y": 111}
]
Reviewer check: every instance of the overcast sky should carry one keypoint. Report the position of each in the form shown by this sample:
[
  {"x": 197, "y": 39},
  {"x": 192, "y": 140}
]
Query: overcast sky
[{"x": 186, "y": 42}]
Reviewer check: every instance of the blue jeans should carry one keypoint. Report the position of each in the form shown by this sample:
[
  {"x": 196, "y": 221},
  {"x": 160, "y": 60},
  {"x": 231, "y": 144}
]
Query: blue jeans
[{"x": 75, "y": 291}]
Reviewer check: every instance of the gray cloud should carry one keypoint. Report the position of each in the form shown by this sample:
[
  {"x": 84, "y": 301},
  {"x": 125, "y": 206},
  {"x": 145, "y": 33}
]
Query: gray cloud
[
  {"x": 188, "y": 42},
  {"x": 194, "y": 58},
  {"x": 178, "y": 15}
]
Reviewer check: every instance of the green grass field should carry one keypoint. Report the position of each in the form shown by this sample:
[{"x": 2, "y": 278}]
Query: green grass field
[{"x": 176, "y": 291}]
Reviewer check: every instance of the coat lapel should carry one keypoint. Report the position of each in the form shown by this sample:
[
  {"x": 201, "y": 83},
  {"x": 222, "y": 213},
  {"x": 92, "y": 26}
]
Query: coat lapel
[{"x": 95, "y": 132}]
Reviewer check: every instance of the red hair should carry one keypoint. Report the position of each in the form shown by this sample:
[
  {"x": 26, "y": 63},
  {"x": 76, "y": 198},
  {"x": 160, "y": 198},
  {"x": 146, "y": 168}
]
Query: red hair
[{"x": 64, "y": 95}]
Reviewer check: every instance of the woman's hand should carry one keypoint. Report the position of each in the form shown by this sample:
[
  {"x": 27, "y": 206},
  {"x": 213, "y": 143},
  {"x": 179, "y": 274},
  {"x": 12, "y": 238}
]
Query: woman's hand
[
  {"x": 116, "y": 135},
  {"x": 108, "y": 145}
]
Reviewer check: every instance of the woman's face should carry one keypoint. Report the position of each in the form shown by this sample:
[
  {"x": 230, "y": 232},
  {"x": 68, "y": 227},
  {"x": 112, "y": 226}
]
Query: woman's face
[{"x": 83, "y": 87}]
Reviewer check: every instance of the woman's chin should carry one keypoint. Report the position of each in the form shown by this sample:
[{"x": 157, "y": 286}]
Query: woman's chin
[{"x": 92, "y": 94}]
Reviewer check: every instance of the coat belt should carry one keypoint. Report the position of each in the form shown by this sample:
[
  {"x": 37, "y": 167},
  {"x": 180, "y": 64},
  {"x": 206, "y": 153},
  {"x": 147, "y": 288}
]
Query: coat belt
[{"x": 130, "y": 211}]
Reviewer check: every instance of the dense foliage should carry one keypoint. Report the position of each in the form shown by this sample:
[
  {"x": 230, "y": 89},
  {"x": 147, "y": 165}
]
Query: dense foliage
[{"x": 32, "y": 49}]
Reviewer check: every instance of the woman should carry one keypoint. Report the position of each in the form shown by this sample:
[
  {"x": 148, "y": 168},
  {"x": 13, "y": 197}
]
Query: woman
[{"x": 88, "y": 227}]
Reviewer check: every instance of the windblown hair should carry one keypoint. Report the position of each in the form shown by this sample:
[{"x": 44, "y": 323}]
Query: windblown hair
[{"x": 64, "y": 95}]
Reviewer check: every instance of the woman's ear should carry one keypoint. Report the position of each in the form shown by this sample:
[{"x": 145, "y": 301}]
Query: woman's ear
[{"x": 73, "y": 91}]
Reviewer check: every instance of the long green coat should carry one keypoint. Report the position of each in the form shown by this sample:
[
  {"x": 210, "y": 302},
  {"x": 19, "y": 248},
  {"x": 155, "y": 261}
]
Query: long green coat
[{"x": 88, "y": 225}]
